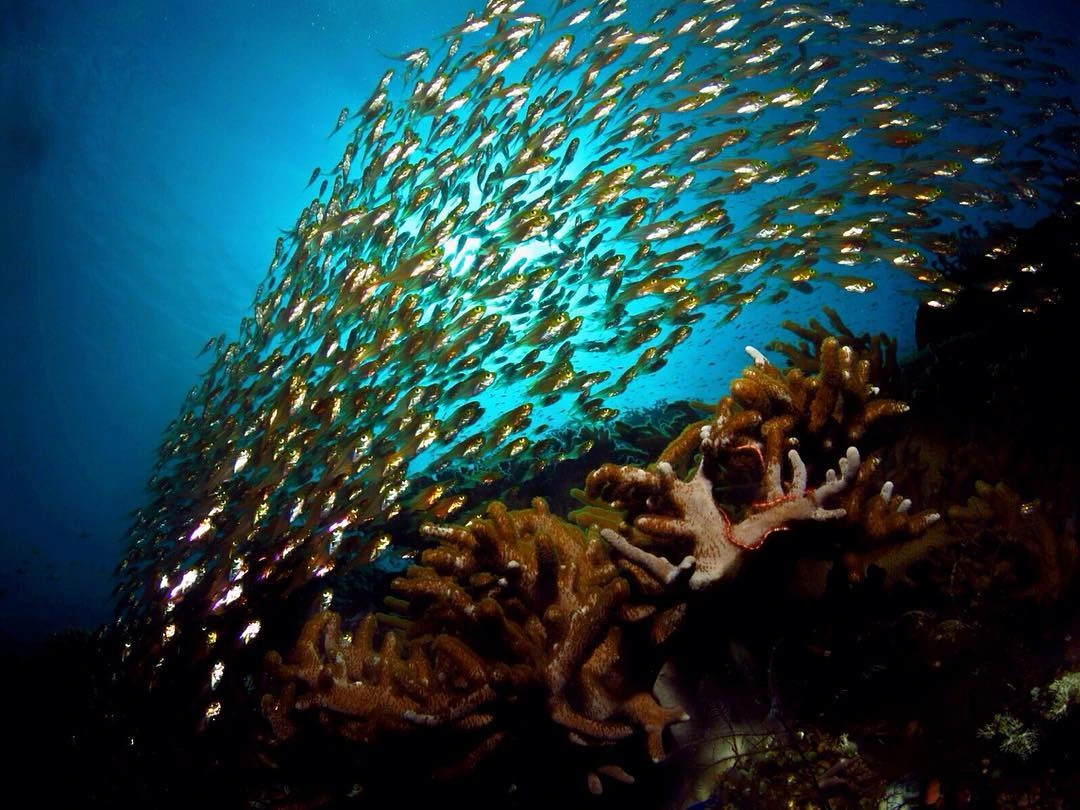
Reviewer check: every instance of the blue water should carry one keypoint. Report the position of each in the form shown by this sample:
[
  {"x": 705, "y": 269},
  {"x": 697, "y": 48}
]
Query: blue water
[{"x": 149, "y": 154}]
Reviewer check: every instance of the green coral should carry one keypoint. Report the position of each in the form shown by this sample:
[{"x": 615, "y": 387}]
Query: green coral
[
  {"x": 1064, "y": 694},
  {"x": 1011, "y": 735}
]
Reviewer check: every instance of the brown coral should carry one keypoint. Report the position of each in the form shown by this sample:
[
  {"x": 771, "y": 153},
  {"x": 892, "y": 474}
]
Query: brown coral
[
  {"x": 518, "y": 603},
  {"x": 674, "y": 525},
  {"x": 1033, "y": 561},
  {"x": 522, "y": 609}
]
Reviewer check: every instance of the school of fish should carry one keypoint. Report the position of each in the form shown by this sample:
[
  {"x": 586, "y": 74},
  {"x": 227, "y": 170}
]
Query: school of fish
[{"x": 533, "y": 212}]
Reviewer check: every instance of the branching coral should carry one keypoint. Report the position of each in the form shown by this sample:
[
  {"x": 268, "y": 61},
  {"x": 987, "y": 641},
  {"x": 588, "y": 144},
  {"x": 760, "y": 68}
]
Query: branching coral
[
  {"x": 1034, "y": 562},
  {"x": 520, "y": 614},
  {"x": 512, "y": 606},
  {"x": 768, "y": 417},
  {"x": 375, "y": 684},
  {"x": 879, "y": 350},
  {"x": 839, "y": 403}
]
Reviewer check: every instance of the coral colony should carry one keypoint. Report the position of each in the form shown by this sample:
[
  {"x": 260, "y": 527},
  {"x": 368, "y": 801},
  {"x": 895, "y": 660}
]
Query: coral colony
[
  {"x": 520, "y": 601},
  {"x": 530, "y": 217}
]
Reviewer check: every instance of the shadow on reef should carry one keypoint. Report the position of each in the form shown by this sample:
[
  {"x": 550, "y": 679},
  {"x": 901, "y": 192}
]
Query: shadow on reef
[{"x": 908, "y": 636}]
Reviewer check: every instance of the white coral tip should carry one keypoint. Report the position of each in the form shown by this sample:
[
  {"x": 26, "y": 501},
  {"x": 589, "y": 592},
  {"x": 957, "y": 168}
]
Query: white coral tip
[
  {"x": 886, "y": 491},
  {"x": 667, "y": 474},
  {"x": 758, "y": 358},
  {"x": 849, "y": 464}
]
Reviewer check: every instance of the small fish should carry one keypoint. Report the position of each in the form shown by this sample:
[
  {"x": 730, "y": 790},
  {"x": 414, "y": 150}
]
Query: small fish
[
  {"x": 343, "y": 116},
  {"x": 539, "y": 210}
]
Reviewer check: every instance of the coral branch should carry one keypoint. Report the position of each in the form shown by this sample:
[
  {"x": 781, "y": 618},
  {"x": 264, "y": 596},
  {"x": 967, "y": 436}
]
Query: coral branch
[
  {"x": 521, "y": 612},
  {"x": 518, "y": 602}
]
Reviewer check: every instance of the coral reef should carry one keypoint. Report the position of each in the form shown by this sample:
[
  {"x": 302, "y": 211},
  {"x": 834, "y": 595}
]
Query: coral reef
[
  {"x": 524, "y": 660},
  {"x": 519, "y": 620},
  {"x": 831, "y": 397},
  {"x": 526, "y": 221},
  {"x": 968, "y": 627},
  {"x": 517, "y": 608}
]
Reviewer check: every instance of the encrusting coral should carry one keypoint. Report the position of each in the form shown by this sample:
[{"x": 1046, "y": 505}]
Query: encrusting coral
[{"x": 519, "y": 611}]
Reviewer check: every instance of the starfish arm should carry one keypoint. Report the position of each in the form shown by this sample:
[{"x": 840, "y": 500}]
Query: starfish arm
[
  {"x": 799, "y": 504},
  {"x": 660, "y": 568}
]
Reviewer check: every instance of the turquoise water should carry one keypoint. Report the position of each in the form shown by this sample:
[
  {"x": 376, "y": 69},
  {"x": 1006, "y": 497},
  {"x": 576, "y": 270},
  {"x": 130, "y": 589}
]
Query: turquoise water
[{"x": 151, "y": 155}]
